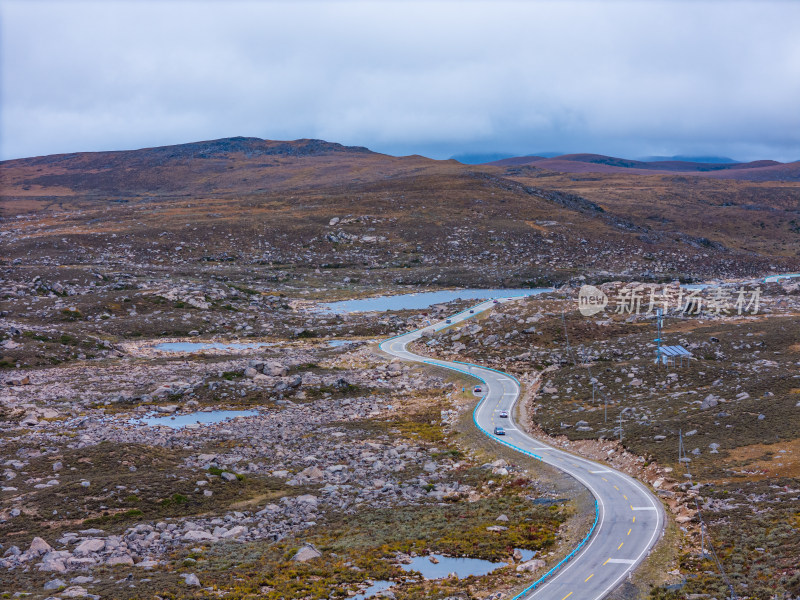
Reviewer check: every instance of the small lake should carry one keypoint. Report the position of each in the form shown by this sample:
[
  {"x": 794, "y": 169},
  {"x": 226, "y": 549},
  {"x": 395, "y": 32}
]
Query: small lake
[
  {"x": 376, "y": 587},
  {"x": 526, "y": 554},
  {"x": 423, "y": 299},
  {"x": 462, "y": 567},
  {"x": 195, "y": 418},
  {"x": 775, "y": 278},
  {"x": 199, "y": 346}
]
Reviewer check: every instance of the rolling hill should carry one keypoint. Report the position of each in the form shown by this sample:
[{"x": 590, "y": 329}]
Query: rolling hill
[{"x": 405, "y": 219}]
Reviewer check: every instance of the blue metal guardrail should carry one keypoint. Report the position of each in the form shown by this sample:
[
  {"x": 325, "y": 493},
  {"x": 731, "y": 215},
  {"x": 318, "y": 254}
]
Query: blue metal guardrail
[
  {"x": 582, "y": 543},
  {"x": 564, "y": 560}
]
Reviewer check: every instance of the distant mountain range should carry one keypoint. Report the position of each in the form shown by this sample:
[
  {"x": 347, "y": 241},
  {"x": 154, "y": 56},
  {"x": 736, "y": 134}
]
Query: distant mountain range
[
  {"x": 479, "y": 158},
  {"x": 692, "y": 159},
  {"x": 247, "y": 163},
  {"x": 760, "y": 170}
]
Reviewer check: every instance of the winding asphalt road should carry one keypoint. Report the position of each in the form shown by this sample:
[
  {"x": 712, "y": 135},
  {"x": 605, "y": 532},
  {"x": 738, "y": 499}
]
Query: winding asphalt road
[{"x": 629, "y": 519}]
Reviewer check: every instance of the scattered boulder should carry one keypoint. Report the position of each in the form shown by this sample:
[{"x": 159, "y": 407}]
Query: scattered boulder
[
  {"x": 530, "y": 566},
  {"x": 55, "y": 584},
  {"x": 39, "y": 547},
  {"x": 89, "y": 546},
  {"x": 119, "y": 559},
  {"x": 710, "y": 401},
  {"x": 305, "y": 553}
]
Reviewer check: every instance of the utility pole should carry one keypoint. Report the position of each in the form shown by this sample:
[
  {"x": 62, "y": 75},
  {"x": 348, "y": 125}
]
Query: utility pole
[
  {"x": 702, "y": 540},
  {"x": 659, "y": 319},
  {"x": 682, "y": 458}
]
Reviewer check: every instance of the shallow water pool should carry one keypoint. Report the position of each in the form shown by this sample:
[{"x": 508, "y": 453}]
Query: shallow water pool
[
  {"x": 195, "y": 418},
  {"x": 198, "y": 346},
  {"x": 462, "y": 567},
  {"x": 423, "y": 299},
  {"x": 376, "y": 587}
]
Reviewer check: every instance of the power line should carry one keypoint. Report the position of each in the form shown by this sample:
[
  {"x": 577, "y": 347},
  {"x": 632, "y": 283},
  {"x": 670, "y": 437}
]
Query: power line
[
  {"x": 703, "y": 527},
  {"x": 584, "y": 363}
]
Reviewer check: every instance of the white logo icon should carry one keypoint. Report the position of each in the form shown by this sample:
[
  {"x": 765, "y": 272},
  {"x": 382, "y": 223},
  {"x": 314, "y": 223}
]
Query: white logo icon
[{"x": 591, "y": 300}]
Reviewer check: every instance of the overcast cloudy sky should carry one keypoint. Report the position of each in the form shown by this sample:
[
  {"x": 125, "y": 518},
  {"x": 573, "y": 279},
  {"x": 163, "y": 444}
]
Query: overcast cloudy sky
[{"x": 630, "y": 79}]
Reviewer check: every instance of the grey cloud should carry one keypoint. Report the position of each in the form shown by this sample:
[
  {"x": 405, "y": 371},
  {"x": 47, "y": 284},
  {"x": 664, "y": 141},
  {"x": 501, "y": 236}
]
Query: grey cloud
[{"x": 434, "y": 78}]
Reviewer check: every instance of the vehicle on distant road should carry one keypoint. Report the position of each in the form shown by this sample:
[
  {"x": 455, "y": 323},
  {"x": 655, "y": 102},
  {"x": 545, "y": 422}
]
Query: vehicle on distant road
[
  {"x": 477, "y": 389},
  {"x": 499, "y": 431},
  {"x": 472, "y": 312},
  {"x": 503, "y": 414},
  {"x": 448, "y": 321}
]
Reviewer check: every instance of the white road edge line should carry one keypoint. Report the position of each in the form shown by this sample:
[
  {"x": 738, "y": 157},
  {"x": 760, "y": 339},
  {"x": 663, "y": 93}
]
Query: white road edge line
[{"x": 657, "y": 532}]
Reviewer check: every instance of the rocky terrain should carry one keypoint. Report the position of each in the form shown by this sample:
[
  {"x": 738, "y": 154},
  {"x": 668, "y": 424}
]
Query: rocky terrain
[
  {"x": 734, "y": 408},
  {"x": 338, "y": 433},
  {"x": 348, "y": 465}
]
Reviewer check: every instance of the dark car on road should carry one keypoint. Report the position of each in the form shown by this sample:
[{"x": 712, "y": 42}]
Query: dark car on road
[{"x": 499, "y": 431}]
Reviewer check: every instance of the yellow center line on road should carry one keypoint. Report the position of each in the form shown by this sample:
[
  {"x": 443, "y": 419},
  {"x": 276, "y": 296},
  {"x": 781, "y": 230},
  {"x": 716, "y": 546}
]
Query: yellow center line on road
[
  {"x": 629, "y": 530},
  {"x": 620, "y": 546},
  {"x": 616, "y": 488},
  {"x": 624, "y": 496},
  {"x": 567, "y": 596},
  {"x": 588, "y": 578},
  {"x": 604, "y": 479},
  {"x": 634, "y": 520},
  {"x": 608, "y": 559},
  {"x": 632, "y": 509}
]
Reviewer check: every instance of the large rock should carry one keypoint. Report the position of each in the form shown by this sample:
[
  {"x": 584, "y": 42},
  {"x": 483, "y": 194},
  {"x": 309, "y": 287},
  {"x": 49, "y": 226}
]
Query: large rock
[
  {"x": 306, "y": 553},
  {"x": 39, "y": 547},
  {"x": 275, "y": 369},
  {"x": 394, "y": 367},
  {"x": 709, "y": 402},
  {"x": 530, "y": 566},
  {"x": 54, "y": 562},
  {"x": 198, "y": 535},
  {"x": 234, "y": 532},
  {"x": 29, "y": 421},
  {"x": 90, "y": 546},
  {"x": 313, "y": 473},
  {"x": 55, "y": 584},
  {"x": 120, "y": 559},
  {"x": 308, "y": 499}
]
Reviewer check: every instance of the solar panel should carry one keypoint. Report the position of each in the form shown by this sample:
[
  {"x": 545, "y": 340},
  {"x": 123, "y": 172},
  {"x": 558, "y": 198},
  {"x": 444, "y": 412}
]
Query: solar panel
[{"x": 675, "y": 351}]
